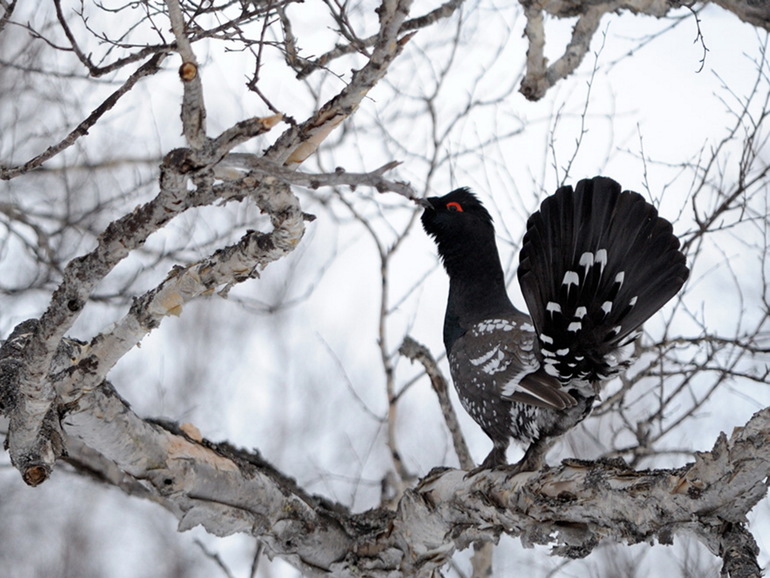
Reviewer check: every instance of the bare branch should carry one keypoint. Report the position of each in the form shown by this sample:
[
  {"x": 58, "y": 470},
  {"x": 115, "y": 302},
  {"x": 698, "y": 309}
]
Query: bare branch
[
  {"x": 417, "y": 352},
  {"x": 218, "y": 273},
  {"x": 248, "y": 494},
  {"x": 571, "y": 507},
  {"x": 444, "y": 11},
  {"x": 540, "y": 76},
  {"x": 372, "y": 179},
  {"x": 755, "y": 13},
  {"x": 8, "y": 8},
  {"x": 193, "y": 107},
  {"x": 739, "y": 551},
  {"x": 297, "y": 144},
  {"x": 148, "y": 68}
]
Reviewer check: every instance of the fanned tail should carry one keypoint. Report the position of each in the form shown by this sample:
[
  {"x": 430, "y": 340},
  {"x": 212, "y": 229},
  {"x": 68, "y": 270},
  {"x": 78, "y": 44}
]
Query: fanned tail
[{"x": 595, "y": 264}]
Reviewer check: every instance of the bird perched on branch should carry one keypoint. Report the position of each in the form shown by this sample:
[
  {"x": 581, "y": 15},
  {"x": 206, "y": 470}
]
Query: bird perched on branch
[{"x": 595, "y": 264}]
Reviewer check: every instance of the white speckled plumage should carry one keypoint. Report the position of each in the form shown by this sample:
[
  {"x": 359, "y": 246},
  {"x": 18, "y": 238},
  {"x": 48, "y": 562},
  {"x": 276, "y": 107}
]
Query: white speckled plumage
[{"x": 594, "y": 265}]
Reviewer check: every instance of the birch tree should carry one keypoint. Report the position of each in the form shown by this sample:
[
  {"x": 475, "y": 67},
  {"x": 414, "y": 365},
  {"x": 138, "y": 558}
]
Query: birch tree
[{"x": 109, "y": 235}]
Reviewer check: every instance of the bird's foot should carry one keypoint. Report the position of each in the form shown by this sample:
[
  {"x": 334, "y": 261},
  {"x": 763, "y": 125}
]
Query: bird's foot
[
  {"x": 526, "y": 464},
  {"x": 534, "y": 457},
  {"x": 495, "y": 459}
]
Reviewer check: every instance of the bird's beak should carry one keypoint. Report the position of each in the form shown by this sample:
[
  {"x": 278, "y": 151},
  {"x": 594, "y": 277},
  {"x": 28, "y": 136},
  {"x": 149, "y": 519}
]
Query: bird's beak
[{"x": 424, "y": 203}]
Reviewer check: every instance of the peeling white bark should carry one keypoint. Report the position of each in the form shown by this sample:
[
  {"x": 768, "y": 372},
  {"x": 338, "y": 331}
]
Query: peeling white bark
[
  {"x": 35, "y": 437},
  {"x": 540, "y": 76},
  {"x": 571, "y": 508},
  {"x": 299, "y": 142}
]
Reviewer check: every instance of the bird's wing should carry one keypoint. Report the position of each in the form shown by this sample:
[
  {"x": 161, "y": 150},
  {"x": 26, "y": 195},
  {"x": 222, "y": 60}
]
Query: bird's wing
[{"x": 500, "y": 353}]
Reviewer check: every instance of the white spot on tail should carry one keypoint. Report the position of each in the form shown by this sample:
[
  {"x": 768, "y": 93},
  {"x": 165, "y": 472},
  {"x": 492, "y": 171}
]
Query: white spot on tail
[
  {"x": 601, "y": 258},
  {"x": 545, "y": 339},
  {"x": 614, "y": 331},
  {"x": 553, "y": 307},
  {"x": 571, "y": 278},
  {"x": 580, "y": 312},
  {"x": 575, "y": 326},
  {"x": 619, "y": 277},
  {"x": 607, "y": 307}
]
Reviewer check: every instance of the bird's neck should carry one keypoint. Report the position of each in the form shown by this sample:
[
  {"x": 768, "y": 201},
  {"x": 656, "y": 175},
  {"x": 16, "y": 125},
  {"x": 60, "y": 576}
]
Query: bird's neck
[{"x": 476, "y": 289}]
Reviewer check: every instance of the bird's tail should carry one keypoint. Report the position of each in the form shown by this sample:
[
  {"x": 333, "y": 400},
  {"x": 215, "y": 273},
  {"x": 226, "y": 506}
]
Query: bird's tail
[{"x": 595, "y": 264}]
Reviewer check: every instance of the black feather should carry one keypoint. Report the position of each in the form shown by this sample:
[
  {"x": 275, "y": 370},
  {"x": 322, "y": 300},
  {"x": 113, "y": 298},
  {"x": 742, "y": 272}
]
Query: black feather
[
  {"x": 595, "y": 264},
  {"x": 641, "y": 269}
]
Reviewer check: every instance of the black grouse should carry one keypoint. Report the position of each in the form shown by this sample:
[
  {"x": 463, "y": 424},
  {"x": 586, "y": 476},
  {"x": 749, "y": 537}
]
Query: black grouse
[{"x": 595, "y": 264}]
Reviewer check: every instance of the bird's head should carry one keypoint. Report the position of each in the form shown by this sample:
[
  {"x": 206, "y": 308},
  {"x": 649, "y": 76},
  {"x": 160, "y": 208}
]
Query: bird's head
[{"x": 458, "y": 216}]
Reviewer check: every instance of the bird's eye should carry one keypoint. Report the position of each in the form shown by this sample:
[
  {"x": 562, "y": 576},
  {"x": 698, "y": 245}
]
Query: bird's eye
[{"x": 454, "y": 207}]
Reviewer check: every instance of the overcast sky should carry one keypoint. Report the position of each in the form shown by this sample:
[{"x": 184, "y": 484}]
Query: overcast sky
[{"x": 304, "y": 384}]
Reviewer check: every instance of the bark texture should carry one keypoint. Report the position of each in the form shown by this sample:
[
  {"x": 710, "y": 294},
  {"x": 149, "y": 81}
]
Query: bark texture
[
  {"x": 571, "y": 508},
  {"x": 541, "y": 76},
  {"x": 59, "y": 405}
]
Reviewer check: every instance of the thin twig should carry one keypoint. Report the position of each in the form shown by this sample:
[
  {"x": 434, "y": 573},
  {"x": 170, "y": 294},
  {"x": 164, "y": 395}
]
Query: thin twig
[
  {"x": 148, "y": 68},
  {"x": 415, "y": 351}
]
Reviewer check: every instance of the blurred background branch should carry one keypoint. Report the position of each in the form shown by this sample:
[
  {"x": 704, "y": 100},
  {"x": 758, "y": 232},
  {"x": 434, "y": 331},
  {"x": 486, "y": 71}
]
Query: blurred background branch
[{"x": 141, "y": 203}]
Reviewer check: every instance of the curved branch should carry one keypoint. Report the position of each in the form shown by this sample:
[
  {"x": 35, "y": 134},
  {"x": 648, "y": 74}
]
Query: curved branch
[
  {"x": 299, "y": 142},
  {"x": 148, "y": 68},
  {"x": 417, "y": 352},
  {"x": 540, "y": 76},
  {"x": 571, "y": 508},
  {"x": 219, "y": 272},
  {"x": 444, "y": 11},
  {"x": 215, "y": 486}
]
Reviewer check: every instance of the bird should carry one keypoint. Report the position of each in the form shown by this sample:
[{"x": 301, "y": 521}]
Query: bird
[{"x": 595, "y": 263}]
